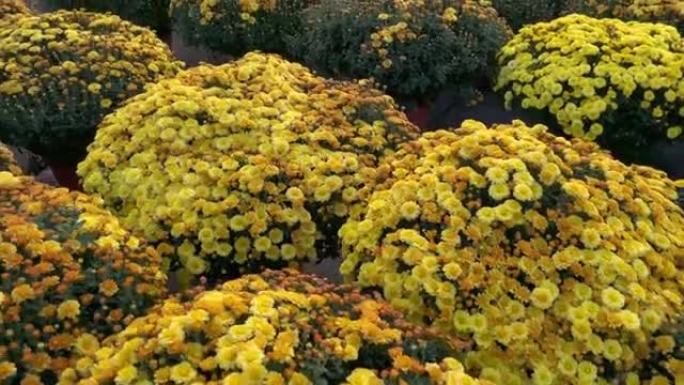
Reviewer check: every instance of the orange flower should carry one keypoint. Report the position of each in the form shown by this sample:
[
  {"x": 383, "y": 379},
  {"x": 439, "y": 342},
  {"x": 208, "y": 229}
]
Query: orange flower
[
  {"x": 22, "y": 293},
  {"x": 7, "y": 369},
  {"x": 109, "y": 287},
  {"x": 69, "y": 309}
]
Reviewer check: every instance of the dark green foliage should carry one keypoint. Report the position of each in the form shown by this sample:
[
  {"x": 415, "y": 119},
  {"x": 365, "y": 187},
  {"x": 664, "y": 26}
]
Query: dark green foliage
[
  {"x": 228, "y": 32},
  {"x": 519, "y": 13},
  {"x": 340, "y": 39},
  {"x": 150, "y": 13}
]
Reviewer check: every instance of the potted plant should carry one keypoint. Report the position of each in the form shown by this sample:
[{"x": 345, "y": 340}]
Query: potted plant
[
  {"x": 244, "y": 166},
  {"x": 558, "y": 261},
  {"x": 61, "y": 72},
  {"x": 568, "y": 69},
  {"x": 70, "y": 276},
  {"x": 412, "y": 49}
]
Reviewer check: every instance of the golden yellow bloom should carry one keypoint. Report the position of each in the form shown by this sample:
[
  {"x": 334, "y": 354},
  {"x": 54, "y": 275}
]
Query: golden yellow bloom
[{"x": 69, "y": 309}]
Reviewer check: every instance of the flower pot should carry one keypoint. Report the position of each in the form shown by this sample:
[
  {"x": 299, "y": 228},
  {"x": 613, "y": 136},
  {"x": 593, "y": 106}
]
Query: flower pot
[
  {"x": 65, "y": 173},
  {"x": 420, "y": 116}
]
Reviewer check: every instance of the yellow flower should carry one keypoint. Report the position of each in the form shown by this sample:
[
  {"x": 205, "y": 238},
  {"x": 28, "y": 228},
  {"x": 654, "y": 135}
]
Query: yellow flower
[
  {"x": 612, "y": 350},
  {"x": 87, "y": 344},
  {"x": 362, "y": 376},
  {"x": 522, "y": 192},
  {"x": 22, "y": 293},
  {"x": 497, "y": 175},
  {"x": 499, "y": 191},
  {"x": 126, "y": 375},
  {"x": 69, "y": 309},
  {"x": 94, "y": 87},
  {"x": 7, "y": 370},
  {"x": 612, "y": 298},
  {"x": 183, "y": 373},
  {"x": 410, "y": 210},
  {"x": 542, "y": 297}
]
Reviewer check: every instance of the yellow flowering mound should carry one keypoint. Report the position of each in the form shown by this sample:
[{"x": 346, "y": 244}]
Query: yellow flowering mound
[
  {"x": 236, "y": 27},
  {"x": 556, "y": 259},
  {"x": 69, "y": 275},
  {"x": 61, "y": 72},
  {"x": 12, "y": 8},
  {"x": 7, "y": 161},
  {"x": 619, "y": 82},
  {"x": 274, "y": 328},
  {"x": 242, "y": 165}
]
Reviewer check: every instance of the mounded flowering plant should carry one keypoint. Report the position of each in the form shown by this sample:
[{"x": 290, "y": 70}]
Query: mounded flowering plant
[
  {"x": 601, "y": 79},
  {"x": 250, "y": 164},
  {"x": 236, "y": 27},
  {"x": 7, "y": 161},
  {"x": 413, "y": 48},
  {"x": 274, "y": 328},
  {"x": 558, "y": 261},
  {"x": 61, "y": 72},
  {"x": 69, "y": 275}
]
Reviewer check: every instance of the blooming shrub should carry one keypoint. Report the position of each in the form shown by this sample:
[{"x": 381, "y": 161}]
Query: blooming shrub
[
  {"x": 7, "y": 161},
  {"x": 151, "y": 13},
  {"x": 413, "y": 48},
  {"x": 61, "y": 72},
  {"x": 237, "y": 27},
  {"x": 556, "y": 260},
  {"x": 244, "y": 165},
  {"x": 621, "y": 83},
  {"x": 277, "y": 328},
  {"x": 69, "y": 276}
]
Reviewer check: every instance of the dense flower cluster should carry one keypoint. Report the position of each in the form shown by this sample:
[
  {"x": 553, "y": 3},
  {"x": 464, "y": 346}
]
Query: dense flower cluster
[
  {"x": 69, "y": 274},
  {"x": 61, "y": 72},
  {"x": 601, "y": 78},
  {"x": 414, "y": 48},
  {"x": 275, "y": 328},
  {"x": 557, "y": 260},
  {"x": 7, "y": 161},
  {"x": 237, "y": 27},
  {"x": 246, "y": 163},
  {"x": 11, "y": 8},
  {"x": 150, "y": 13}
]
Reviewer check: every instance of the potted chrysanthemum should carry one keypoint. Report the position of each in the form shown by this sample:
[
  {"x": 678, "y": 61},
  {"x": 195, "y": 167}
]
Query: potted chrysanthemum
[{"x": 61, "y": 72}]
